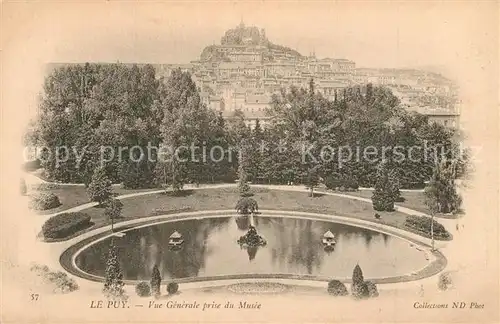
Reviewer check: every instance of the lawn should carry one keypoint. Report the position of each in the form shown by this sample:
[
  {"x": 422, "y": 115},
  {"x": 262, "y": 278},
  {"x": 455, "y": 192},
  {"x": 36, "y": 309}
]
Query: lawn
[
  {"x": 413, "y": 199},
  {"x": 225, "y": 198},
  {"x": 75, "y": 195}
]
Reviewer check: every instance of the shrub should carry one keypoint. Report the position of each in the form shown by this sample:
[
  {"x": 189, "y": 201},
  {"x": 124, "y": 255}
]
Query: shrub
[
  {"x": 44, "y": 201},
  {"x": 423, "y": 224},
  {"x": 142, "y": 289},
  {"x": 382, "y": 201},
  {"x": 337, "y": 288},
  {"x": 243, "y": 186},
  {"x": 360, "y": 291},
  {"x": 22, "y": 187},
  {"x": 372, "y": 289},
  {"x": 377, "y": 215},
  {"x": 61, "y": 281},
  {"x": 246, "y": 205},
  {"x": 64, "y": 225},
  {"x": 244, "y": 189},
  {"x": 172, "y": 288},
  {"x": 445, "y": 282}
]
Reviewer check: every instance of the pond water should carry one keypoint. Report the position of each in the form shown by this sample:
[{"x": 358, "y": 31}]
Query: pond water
[{"x": 293, "y": 247}]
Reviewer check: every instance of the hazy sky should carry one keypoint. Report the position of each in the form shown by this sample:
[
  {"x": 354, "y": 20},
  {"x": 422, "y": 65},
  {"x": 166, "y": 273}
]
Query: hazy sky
[
  {"x": 373, "y": 34},
  {"x": 460, "y": 38}
]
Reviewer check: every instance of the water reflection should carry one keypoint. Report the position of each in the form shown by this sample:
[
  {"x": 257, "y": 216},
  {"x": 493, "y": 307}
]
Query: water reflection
[
  {"x": 252, "y": 252},
  {"x": 242, "y": 222},
  {"x": 293, "y": 246}
]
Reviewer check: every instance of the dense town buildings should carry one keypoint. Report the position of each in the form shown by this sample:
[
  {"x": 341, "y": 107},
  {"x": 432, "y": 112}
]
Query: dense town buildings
[{"x": 246, "y": 69}]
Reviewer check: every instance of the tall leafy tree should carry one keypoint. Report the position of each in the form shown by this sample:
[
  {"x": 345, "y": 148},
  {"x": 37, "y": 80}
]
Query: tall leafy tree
[
  {"x": 113, "y": 208},
  {"x": 255, "y": 152},
  {"x": 186, "y": 122},
  {"x": 441, "y": 194}
]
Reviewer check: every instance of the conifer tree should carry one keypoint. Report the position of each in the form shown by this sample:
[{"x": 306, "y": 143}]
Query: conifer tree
[
  {"x": 359, "y": 288},
  {"x": 113, "y": 208},
  {"x": 155, "y": 281},
  {"x": 386, "y": 188},
  {"x": 99, "y": 189},
  {"x": 394, "y": 185},
  {"x": 243, "y": 186},
  {"x": 357, "y": 275},
  {"x": 113, "y": 286}
]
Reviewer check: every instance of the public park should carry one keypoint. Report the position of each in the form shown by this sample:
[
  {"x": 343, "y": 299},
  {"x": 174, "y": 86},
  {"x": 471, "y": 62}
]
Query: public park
[{"x": 139, "y": 190}]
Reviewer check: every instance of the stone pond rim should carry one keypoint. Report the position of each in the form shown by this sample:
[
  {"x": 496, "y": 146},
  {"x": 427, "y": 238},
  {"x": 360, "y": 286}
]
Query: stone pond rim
[{"x": 433, "y": 268}]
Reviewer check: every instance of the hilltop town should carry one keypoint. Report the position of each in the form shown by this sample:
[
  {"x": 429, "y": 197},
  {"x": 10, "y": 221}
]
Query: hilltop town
[{"x": 246, "y": 68}]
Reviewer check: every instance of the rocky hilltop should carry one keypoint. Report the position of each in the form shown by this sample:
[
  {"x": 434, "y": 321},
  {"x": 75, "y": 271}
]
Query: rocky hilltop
[
  {"x": 244, "y": 38},
  {"x": 242, "y": 35}
]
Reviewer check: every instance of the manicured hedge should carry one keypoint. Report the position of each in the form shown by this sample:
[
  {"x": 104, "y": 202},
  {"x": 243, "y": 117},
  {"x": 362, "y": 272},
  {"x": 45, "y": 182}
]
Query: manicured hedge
[
  {"x": 142, "y": 289},
  {"x": 44, "y": 201},
  {"x": 423, "y": 224},
  {"x": 172, "y": 288},
  {"x": 66, "y": 224}
]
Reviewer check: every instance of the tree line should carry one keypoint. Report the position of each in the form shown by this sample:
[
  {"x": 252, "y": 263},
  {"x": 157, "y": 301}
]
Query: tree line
[{"x": 118, "y": 105}]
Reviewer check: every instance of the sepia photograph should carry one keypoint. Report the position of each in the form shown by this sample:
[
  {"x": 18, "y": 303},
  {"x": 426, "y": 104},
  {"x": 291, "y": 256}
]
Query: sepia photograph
[{"x": 249, "y": 162}]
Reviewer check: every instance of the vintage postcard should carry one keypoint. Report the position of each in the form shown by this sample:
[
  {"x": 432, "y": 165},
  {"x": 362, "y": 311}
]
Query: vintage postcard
[{"x": 249, "y": 162}]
